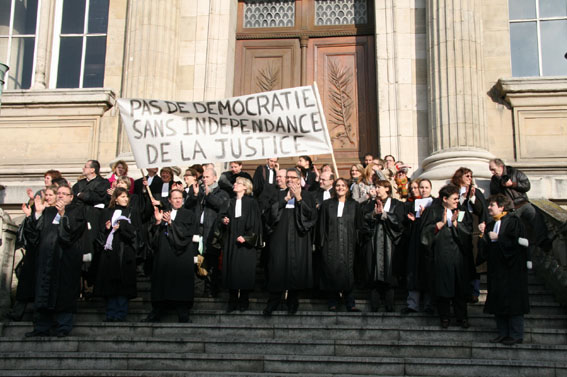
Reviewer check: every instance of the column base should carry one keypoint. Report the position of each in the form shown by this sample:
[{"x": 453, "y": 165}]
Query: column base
[{"x": 443, "y": 164}]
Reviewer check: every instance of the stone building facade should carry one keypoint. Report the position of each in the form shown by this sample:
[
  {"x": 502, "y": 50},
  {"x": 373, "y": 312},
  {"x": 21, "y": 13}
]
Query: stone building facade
[{"x": 437, "y": 83}]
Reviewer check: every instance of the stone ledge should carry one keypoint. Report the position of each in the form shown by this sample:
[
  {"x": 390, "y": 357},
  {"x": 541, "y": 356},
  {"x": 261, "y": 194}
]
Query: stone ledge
[
  {"x": 54, "y": 97},
  {"x": 532, "y": 85}
]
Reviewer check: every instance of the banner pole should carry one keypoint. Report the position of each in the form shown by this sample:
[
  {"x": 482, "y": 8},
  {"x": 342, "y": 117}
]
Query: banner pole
[
  {"x": 327, "y": 136},
  {"x": 147, "y": 187}
]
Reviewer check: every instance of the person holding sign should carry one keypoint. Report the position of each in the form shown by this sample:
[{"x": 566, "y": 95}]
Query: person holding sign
[
  {"x": 241, "y": 237},
  {"x": 418, "y": 259},
  {"x": 444, "y": 234},
  {"x": 173, "y": 271},
  {"x": 265, "y": 175},
  {"x": 208, "y": 201},
  {"x": 289, "y": 223}
]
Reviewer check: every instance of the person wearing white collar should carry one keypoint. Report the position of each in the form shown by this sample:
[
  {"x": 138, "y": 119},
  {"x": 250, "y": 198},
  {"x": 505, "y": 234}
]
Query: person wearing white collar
[
  {"x": 505, "y": 247},
  {"x": 444, "y": 233},
  {"x": 384, "y": 216},
  {"x": 241, "y": 239},
  {"x": 173, "y": 266},
  {"x": 340, "y": 220}
]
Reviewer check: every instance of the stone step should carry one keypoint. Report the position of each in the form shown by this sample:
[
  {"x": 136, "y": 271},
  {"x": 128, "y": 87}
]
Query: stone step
[
  {"x": 145, "y": 373},
  {"x": 325, "y": 317},
  {"x": 537, "y": 306},
  {"x": 310, "y": 347},
  {"x": 391, "y": 366},
  {"x": 297, "y": 331}
]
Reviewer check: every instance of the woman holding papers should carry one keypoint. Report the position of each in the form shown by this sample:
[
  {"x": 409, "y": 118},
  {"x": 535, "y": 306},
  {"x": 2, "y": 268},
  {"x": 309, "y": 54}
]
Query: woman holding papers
[
  {"x": 417, "y": 263},
  {"x": 340, "y": 220},
  {"x": 444, "y": 234},
  {"x": 116, "y": 281},
  {"x": 241, "y": 235}
]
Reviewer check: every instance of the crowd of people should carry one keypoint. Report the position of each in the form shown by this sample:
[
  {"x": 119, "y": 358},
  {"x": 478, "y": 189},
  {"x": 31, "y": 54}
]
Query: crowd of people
[{"x": 308, "y": 230}]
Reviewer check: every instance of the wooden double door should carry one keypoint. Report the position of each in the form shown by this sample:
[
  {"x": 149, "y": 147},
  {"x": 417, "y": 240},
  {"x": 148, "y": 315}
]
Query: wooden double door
[{"x": 342, "y": 67}]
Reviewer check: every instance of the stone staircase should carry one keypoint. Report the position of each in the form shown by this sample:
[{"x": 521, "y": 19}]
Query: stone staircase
[{"x": 313, "y": 342}]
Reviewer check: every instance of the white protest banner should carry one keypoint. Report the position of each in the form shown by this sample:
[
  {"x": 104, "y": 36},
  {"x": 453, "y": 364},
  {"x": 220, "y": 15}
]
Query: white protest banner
[{"x": 281, "y": 123}]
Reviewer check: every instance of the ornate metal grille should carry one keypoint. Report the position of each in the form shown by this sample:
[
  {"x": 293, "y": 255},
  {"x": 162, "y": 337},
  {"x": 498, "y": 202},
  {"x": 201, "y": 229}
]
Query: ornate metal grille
[
  {"x": 269, "y": 13},
  {"x": 341, "y": 12}
]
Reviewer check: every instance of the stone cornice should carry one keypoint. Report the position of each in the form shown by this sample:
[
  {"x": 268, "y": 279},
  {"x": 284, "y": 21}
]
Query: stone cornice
[
  {"x": 55, "y": 97},
  {"x": 532, "y": 85}
]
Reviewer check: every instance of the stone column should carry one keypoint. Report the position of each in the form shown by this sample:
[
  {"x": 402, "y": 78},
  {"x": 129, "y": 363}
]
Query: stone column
[
  {"x": 151, "y": 52},
  {"x": 457, "y": 122},
  {"x": 44, "y": 41},
  {"x": 8, "y": 233}
]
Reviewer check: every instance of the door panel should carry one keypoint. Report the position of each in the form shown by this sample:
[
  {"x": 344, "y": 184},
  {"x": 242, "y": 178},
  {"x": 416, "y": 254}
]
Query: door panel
[
  {"x": 266, "y": 64},
  {"x": 343, "y": 68}
]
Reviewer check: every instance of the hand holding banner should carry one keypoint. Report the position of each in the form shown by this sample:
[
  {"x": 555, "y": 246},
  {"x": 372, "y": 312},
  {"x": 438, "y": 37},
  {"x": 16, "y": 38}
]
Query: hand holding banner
[{"x": 280, "y": 123}]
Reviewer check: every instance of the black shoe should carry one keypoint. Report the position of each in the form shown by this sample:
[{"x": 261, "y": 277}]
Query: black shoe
[
  {"x": 184, "y": 319},
  {"x": 511, "y": 341},
  {"x": 333, "y": 308},
  {"x": 445, "y": 323},
  {"x": 232, "y": 306},
  {"x": 407, "y": 310},
  {"x": 498, "y": 339},
  {"x": 110, "y": 320},
  {"x": 293, "y": 308},
  {"x": 152, "y": 317},
  {"x": 35, "y": 333},
  {"x": 389, "y": 308},
  {"x": 62, "y": 333},
  {"x": 354, "y": 309},
  {"x": 243, "y": 306},
  {"x": 429, "y": 311},
  {"x": 267, "y": 312},
  {"x": 464, "y": 323}
]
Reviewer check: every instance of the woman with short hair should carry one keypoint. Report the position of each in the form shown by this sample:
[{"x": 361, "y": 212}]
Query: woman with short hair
[{"x": 120, "y": 169}]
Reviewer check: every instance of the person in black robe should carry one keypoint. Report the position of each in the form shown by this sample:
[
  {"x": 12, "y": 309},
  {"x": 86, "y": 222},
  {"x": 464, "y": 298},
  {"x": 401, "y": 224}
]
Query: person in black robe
[
  {"x": 309, "y": 175},
  {"x": 505, "y": 248},
  {"x": 444, "y": 234},
  {"x": 418, "y": 260},
  {"x": 153, "y": 181},
  {"x": 25, "y": 271},
  {"x": 241, "y": 229},
  {"x": 55, "y": 233},
  {"x": 173, "y": 269},
  {"x": 265, "y": 175},
  {"x": 473, "y": 203},
  {"x": 339, "y": 222},
  {"x": 118, "y": 239},
  {"x": 384, "y": 219},
  {"x": 207, "y": 203},
  {"x": 290, "y": 221},
  {"x": 228, "y": 178},
  {"x": 91, "y": 193}
]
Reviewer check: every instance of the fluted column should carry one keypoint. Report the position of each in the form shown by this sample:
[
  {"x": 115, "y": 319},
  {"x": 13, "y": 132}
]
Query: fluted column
[
  {"x": 44, "y": 41},
  {"x": 151, "y": 51},
  {"x": 457, "y": 121}
]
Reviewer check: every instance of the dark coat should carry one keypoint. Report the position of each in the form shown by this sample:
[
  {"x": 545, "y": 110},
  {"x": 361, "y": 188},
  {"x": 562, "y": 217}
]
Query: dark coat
[
  {"x": 216, "y": 202},
  {"x": 418, "y": 259},
  {"x": 450, "y": 274},
  {"x": 476, "y": 213},
  {"x": 174, "y": 250},
  {"x": 59, "y": 260},
  {"x": 239, "y": 259},
  {"x": 507, "y": 274},
  {"x": 337, "y": 238},
  {"x": 227, "y": 179},
  {"x": 155, "y": 187},
  {"x": 260, "y": 180},
  {"x": 517, "y": 192},
  {"x": 117, "y": 267},
  {"x": 318, "y": 195},
  {"x": 386, "y": 231},
  {"x": 291, "y": 243},
  {"x": 26, "y": 279}
]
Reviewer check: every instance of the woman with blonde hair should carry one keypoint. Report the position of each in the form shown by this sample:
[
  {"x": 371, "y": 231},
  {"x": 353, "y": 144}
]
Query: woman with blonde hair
[
  {"x": 365, "y": 189},
  {"x": 241, "y": 237}
]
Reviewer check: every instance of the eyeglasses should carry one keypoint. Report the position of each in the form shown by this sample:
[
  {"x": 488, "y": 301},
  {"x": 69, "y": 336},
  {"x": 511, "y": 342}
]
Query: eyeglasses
[
  {"x": 64, "y": 193},
  {"x": 290, "y": 177}
]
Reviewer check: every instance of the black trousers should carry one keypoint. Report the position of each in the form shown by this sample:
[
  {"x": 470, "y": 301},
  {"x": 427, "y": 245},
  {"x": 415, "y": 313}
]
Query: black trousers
[{"x": 459, "y": 307}]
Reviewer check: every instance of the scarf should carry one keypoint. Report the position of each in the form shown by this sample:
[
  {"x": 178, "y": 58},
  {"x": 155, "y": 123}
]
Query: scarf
[
  {"x": 499, "y": 217},
  {"x": 110, "y": 238},
  {"x": 402, "y": 184}
]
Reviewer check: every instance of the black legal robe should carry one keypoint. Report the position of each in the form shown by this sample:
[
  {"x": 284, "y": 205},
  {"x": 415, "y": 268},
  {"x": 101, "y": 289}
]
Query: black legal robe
[
  {"x": 337, "y": 239},
  {"x": 117, "y": 267},
  {"x": 26, "y": 281},
  {"x": 227, "y": 180},
  {"x": 59, "y": 259},
  {"x": 507, "y": 274},
  {"x": 449, "y": 270},
  {"x": 418, "y": 260},
  {"x": 385, "y": 232},
  {"x": 155, "y": 187},
  {"x": 239, "y": 259},
  {"x": 173, "y": 267},
  {"x": 261, "y": 179},
  {"x": 291, "y": 243}
]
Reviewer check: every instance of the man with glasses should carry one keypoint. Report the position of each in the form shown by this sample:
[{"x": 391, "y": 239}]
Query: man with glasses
[
  {"x": 324, "y": 191},
  {"x": 56, "y": 231},
  {"x": 290, "y": 221}
]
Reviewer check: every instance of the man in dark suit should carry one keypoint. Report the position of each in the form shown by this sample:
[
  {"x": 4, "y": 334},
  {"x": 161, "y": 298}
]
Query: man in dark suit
[
  {"x": 265, "y": 175},
  {"x": 325, "y": 189},
  {"x": 154, "y": 182}
]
